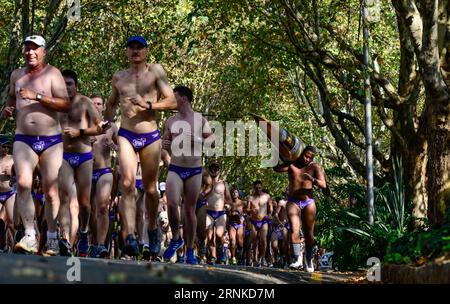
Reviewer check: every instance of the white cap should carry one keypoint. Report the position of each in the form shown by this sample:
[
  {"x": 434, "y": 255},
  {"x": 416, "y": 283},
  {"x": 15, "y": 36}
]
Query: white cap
[
  {"x": 36, "y": 39},
  {"x": 162, "y": 186}
]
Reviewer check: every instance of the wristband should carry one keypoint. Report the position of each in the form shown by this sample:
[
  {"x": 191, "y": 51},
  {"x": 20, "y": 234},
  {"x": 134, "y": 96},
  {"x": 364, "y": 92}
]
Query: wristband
[{"x": 81, "y": 132}]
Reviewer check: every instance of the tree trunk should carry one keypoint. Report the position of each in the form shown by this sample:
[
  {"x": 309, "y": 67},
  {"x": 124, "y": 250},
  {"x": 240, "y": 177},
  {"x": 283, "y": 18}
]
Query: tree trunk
[{"x": 438, "y": 184}]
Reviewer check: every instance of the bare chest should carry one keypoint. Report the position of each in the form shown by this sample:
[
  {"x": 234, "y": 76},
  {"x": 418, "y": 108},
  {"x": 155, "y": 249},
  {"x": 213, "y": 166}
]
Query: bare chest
[
  {"x": 6, "y": 165},
  {"x": 297, "y": 174},
  {"x": 131, "y": 84},
  {"x": 41, "y": 85},
  {"x": 77, "y": 113},
  {"x": 219, "y": 189}
]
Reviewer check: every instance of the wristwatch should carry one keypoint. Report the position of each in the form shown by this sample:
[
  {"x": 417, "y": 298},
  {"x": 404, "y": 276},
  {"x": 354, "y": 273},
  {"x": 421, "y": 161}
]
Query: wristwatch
[
  {"x": 38, "y": 97},
  {"x": 81, "y": 132},
  {"x": 149, "y": 105}
]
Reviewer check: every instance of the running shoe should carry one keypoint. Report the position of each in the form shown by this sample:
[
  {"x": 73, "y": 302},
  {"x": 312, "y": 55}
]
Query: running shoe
[
  {"x": 297, "y": 264},
  {"x": 309, "y": 265},
  {"x": 64, "y": 248},
  {"x": 146, "y": 254},
  {"x": 27, "y": 244},
  {"x": 98, "y": 251},
  {"x": 174, "y": 245},
  {"x": 5, "y": 249},
  {"x": 131, "y": 246},
  {"x": 180, "y": 259},
  {"x": 233, "y": 261},
  {"x": 190, "y": 257},
  {"x": 83, "y": 245},
  {"x": 52, "y": 247},
  {"x": 154, "y": 239}
]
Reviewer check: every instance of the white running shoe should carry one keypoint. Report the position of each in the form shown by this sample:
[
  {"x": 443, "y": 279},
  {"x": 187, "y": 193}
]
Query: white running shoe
[
  {"x": 297, "y": 264},
  {"x": 27, "y": 243},
  {"x": 309, "y": 265}
]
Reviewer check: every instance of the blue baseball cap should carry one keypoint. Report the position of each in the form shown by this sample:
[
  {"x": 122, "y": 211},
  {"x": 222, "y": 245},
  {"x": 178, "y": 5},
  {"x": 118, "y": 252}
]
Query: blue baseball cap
[{"x": 138, "y": 39}]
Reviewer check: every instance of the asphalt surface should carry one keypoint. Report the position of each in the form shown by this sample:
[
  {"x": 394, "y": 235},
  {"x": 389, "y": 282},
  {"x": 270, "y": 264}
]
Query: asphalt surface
[{"x": 33, "y": 269}]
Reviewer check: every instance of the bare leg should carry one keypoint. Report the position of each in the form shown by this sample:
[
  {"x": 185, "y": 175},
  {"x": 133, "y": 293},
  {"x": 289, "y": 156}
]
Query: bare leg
[
  {"x": 50, "y": 163},
  {"x": 150, "y": 157},
  {"x": 174, "y": 190},
  {"x": 309, "y": 219},
  {"x": 66, "y": 192},
  {"x": 103, "y": 192},
  {"x": 128, "y": 167},
  {"x": 140, "y": 215},
  {"x": 191, "y": 191},
  {"x": 25, "y": 160}
]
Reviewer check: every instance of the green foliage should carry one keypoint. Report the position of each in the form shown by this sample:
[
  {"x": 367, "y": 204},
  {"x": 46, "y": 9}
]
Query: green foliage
[
  {"x": 419, "y": 247},
  {"x": 346, "y": 232}
]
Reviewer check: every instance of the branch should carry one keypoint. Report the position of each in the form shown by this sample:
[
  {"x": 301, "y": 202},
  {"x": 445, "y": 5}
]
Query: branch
[
  {"x": 410, "y": 16},
  {"x": 341, "y": 143},
  {"x": 25, "y": 18}
]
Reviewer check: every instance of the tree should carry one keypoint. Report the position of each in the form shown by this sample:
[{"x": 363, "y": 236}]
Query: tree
[{"x": 320, "y": 38}]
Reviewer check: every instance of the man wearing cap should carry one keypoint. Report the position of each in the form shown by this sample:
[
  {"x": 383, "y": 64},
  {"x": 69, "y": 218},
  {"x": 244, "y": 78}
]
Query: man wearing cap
[
  {"x": 184, "y": 134},
  {"x": 7, "y": 193},
  {"x": 37, "y": 92},
  {"x": 138, "y": 90}
]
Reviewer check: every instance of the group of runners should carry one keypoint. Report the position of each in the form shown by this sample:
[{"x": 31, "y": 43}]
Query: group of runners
[{"x": 77, "y": 184}]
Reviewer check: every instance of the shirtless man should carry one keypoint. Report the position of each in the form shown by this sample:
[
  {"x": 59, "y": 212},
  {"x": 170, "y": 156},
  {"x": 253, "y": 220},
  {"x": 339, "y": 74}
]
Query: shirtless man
[
  {"x": 102, "y": 181},
  {"x": 184, "y": 177},
  {"x": 236, "y": 226},
  {"x": 138, "y": 90},
  {"x": 82, "y": 121},
  {"x": 259, "y": 209},
  {"x": 279, "y": 237},
  {"x": 216, "y": 215},
  {"x": 7, "y": 194},
  {"x": 303, "y": 174},
  {"x": 38, "y": 93}
]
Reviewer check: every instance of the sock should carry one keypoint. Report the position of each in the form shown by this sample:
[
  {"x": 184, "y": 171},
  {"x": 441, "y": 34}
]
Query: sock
[
  {"x": 30, "y": 232},
  {"x": 141, "y": 242},
  {"x": 52, "y": 235},
  {"x": 297, "y": 250}
]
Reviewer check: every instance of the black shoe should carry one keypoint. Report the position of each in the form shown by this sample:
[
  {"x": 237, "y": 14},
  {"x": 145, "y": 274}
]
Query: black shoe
[
  {"x": 131, "y": 247},
  {"x": 20, "y": 233},
  {"x": 64, "y": 248},
  {"x": 154, "y": 239}
]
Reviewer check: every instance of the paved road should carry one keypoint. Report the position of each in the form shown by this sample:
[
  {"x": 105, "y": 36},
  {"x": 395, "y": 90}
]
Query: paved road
[{"x": 37, "y": 269}]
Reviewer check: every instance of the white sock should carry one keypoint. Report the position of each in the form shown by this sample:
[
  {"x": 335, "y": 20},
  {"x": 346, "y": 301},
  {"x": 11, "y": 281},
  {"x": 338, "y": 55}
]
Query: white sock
[
  {"x": 51, "y": 235},
  {"x": 297, "y": 250},
  {"x": 30, "y": 232}
]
